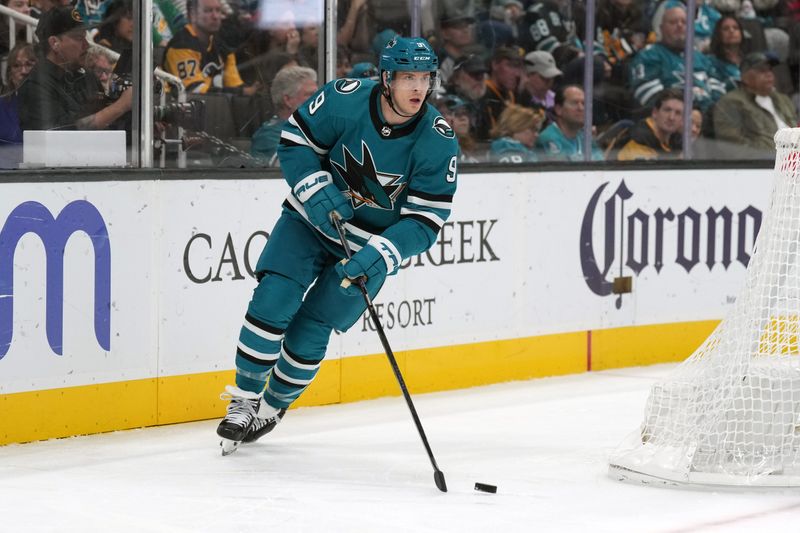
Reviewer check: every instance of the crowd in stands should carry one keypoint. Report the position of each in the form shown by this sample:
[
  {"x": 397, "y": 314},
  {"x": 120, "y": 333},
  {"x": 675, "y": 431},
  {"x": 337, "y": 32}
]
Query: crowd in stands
[{"x": 511, "y": 70}]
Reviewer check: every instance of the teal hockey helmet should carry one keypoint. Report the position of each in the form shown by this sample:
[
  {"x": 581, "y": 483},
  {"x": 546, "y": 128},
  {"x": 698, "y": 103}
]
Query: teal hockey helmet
[{"x": 408, "y": 53}]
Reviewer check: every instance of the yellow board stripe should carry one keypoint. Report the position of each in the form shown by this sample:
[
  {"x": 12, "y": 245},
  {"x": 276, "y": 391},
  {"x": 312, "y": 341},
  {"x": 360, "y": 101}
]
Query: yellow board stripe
[{"x": 53, "y": 413}]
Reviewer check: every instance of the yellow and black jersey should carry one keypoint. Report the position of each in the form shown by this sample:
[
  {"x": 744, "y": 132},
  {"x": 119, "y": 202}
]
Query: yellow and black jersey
[{"x": 201, "y": 67}]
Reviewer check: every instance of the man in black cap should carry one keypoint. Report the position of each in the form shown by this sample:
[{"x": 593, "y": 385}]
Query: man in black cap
[
  {"x": 458, "y": 35},
  {"x": 60, "y": 93},
  {"x": 501, "y": 87},
  {"x": 468, "y": 82},
  {"x": 752, "y": 113}
]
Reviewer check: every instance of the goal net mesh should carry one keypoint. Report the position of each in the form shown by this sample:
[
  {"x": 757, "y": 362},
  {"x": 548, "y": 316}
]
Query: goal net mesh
[{"x": 729, "y": 413}]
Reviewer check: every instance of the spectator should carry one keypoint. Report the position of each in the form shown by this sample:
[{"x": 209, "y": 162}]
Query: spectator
[
  {"x": 563, "y": 139},
  {"x": 364, "y": 70},
  {"x": 116, "y": 29},
  {"x": 506, "y": 68},
  {"x": 468, "y": 82},
  {"x": 257, "y": 52},
  {"x": 661, "y": 65},
  {"x": 59, "y": 93},
  {"x": 40, "y": 7},
  {"x": 659, "y": 135},
  {"x": 198, "y": 59},
  {"x": 540, "y": 75},
  {"x": 726, "y": 51},
  {"x": 354, "y": 33},
  {"x": 697, "y": 123},
  {"x": 456, "y": 112},
  {"x": 502, "y": 26},
  {"x": 168, "y": 20},
  {"x": 99, "y": 62},
  {"x": 92, "y": 11},
  {"x": 309, "y": 46},
  {"x": 457, "y": 34},
  {"x": 238, "y": 23},
  {"x": 291, "y": 87},
  {"x": 543, "y": 27},
  {"x": 621, "y": 32},
  {"x": 705, "y": 22},
  {"x": 343, "y": 63},
  {"x": 515, "y": 135},
  {"x": 21, "y": 61},
  {"x": 750, "y": 115},
  {"x": 20, "y": 6}
]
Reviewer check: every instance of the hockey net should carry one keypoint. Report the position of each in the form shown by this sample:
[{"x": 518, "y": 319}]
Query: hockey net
[{"x": 730, "y": 413}]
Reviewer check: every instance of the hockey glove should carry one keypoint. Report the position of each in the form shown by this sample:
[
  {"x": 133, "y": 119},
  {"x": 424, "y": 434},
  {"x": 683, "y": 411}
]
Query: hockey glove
[
  {"x": 320, "y": 197},
  {"x": 377, "y": 259}
]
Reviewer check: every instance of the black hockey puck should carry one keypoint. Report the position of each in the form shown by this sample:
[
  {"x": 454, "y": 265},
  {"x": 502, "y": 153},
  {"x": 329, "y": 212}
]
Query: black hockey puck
[{"x": 483, "y": 487}]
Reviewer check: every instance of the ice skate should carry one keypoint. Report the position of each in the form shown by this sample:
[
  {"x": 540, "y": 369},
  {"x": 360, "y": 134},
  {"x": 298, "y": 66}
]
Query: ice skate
[
  {"x": 242, "y": 411},
  {"x": 267, "y": 417}
]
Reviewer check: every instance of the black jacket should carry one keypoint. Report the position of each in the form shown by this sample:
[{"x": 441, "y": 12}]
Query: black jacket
[{"x": 52, "y": 98}]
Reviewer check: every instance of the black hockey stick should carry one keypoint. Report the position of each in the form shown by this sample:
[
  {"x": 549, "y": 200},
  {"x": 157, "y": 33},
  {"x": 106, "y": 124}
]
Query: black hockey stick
[{"x": 438, "y": 475}]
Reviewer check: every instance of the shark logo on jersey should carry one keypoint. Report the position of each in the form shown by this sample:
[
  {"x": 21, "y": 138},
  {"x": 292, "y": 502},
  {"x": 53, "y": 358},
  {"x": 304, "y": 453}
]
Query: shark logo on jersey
[
  {"x": 366, "y": 184},
  {"x": 346, "y": 86},
  {"x": 443, "y": 128}
]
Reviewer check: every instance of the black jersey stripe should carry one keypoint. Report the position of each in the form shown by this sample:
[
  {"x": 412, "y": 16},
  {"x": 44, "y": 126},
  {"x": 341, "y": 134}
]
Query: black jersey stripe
[
  {"x": 307, "y": 132},
  {"x": 254, "y": 360},
  {"x": 287, "y": 142},
  {"x": 263, "y": 325},
  {"x": 424, "y": 220},
  {"x": 431, "y": 197},
  {"x": 301, "y": 360}
]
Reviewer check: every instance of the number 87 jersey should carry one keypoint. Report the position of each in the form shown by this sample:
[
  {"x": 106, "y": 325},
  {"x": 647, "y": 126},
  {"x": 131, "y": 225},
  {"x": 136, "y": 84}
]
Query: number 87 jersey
[{"x": 399, "y": 179}]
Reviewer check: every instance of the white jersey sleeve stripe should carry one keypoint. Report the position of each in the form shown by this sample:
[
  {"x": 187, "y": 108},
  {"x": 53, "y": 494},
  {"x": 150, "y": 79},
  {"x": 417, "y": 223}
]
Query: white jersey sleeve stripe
[
  {"x": 416, "y": 200},
  {"x": 439, "y": 221}
]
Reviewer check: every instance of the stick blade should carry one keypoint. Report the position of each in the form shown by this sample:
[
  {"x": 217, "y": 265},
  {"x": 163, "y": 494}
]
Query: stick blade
[{"x": 438, "y": 478}]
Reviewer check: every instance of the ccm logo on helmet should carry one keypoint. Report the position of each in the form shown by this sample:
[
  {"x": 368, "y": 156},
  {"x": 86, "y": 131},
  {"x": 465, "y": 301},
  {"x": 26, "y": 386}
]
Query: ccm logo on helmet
[{"x": 422, "y": 58}]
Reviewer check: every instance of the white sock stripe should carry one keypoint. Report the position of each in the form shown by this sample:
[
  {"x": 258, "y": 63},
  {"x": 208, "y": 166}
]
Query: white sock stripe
[
  {"x": 261, "y": 356},
  {"x": 293, "y": 381},
  {"x": 301, "y": 366},
  {"x": 262, "y": 333},
  {"x": 387, "y": 249},
  {"x": 312, "y": 183},
  {"x": 284, "y": 397}
]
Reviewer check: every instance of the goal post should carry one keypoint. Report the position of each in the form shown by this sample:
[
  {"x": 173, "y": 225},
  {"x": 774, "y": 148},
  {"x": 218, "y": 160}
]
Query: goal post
[{"x": 729, "y": 415}]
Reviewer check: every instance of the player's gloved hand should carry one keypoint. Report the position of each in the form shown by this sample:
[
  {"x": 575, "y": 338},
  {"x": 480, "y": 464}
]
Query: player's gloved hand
[
  {"x": 374, "y": 261},
  {"x": 320, "y": 197}
]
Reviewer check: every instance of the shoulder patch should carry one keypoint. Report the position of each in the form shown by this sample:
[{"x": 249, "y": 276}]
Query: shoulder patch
[
  {"x": 443, "y": 128},
  {"x": 346, "y": 85}
]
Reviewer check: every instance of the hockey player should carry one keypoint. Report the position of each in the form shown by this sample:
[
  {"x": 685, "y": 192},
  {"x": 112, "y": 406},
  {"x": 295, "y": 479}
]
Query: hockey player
[{"x": 380, "y": 156}]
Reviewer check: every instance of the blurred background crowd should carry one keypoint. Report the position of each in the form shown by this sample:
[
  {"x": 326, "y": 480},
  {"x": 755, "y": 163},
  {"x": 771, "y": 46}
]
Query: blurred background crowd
[{"x": 513, "y": 71}]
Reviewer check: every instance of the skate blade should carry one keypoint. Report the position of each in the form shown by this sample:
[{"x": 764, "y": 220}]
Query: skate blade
[{"x": 228, "y": 446}]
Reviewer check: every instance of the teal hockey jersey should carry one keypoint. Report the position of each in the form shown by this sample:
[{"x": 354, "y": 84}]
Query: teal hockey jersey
[
  {"x": 400, "y": 179},
  {"x": 657, "y": 67},
  {"x": 555, "y": 146},
  {"x": 508, "y": 150}
]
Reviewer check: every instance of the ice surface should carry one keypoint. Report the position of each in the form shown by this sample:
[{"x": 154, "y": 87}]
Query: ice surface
[{"x": 362, "y": 468}]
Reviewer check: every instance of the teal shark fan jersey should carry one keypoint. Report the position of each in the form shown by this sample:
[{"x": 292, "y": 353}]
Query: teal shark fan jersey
[{"x": 400, "y": 179}]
